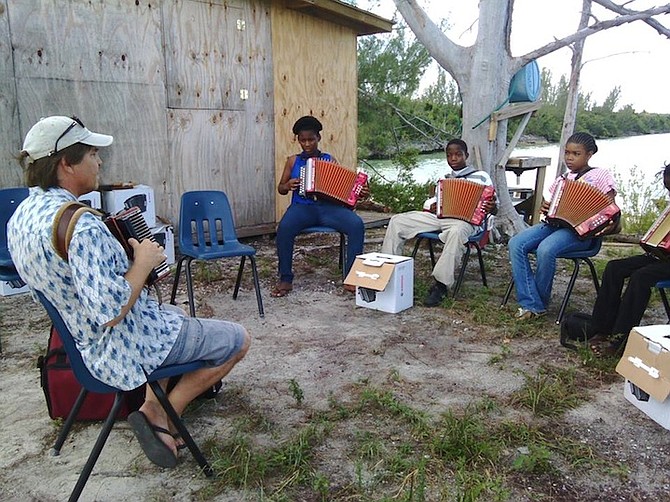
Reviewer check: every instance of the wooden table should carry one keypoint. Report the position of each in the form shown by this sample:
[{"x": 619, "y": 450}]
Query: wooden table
[{"x": 519, "y": 165}]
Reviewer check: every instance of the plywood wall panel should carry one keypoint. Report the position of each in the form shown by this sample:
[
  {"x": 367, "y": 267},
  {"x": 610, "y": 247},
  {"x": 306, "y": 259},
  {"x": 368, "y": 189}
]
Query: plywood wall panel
[
  {"x": 132, "y": 113},
  {"x": 110, "y": 41},
  {"x": 324, "y": 84},
  {"x": 207, "y": 55},
  {"x": 208, "y": 145}
]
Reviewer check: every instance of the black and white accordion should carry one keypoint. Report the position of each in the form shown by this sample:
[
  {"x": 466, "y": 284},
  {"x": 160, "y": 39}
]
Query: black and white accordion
[{"x": 128, "y": 224}]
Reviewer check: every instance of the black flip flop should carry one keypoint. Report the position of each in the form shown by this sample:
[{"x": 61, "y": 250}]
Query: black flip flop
[{"x": 146, "y": 433}]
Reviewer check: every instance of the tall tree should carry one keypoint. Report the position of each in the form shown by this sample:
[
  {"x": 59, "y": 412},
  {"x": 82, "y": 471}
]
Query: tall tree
[{"x": 484, "y": 70}]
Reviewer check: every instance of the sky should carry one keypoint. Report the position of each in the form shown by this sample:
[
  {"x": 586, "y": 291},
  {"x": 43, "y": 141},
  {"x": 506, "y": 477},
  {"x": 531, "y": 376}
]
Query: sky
[{"x": 633, "y": 56}]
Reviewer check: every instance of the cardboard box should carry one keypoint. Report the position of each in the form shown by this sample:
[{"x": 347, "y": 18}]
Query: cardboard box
[
  {"x": 164, "y": 235},
  {"x": 646, "y": 366},
  {"x": 6, "y": 289},
  {"x": 142, "y": 196},
  {"x": 383, "y": 282},
  {"x": 92, "y": 199}
]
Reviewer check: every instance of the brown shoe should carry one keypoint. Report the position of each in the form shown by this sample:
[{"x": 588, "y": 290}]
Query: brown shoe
[{"x": 282, "y": 289}]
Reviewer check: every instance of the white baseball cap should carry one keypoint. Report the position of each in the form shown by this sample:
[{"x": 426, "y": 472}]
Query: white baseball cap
[{"x": 53, "y": 134}]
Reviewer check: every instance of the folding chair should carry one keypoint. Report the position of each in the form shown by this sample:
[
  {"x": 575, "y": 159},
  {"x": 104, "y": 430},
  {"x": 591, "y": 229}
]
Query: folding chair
[
  {"x": 343, "y": 243},
  {"x": 478, "y": 241},
  {"x": 91, "y": 384},
  {"x": 10, "y": 198},
  {"x": 207, "y": 232},
  {"x": 577, "y": 257},
  {"x": 662, "y": 286}
]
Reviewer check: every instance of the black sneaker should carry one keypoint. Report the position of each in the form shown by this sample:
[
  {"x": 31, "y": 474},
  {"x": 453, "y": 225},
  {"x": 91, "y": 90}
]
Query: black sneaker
[{"x": 437, "y": 293}]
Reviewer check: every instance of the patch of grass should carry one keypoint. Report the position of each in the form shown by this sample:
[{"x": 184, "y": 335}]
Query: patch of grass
[
  {"x": 396, "y": 453},
  {"x": 296, "y": 391},
  {"x": 207, "y": 271},
  {"x": 550, "y": 392}
]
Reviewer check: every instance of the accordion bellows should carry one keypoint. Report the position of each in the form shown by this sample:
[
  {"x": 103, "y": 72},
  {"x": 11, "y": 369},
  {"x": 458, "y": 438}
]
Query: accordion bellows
[
  {"x": 582, "y": 207},
  {"x": 332, "y": 181},
  {"x": 657, "y": 239},
  {"x": 462, "y": 199}
]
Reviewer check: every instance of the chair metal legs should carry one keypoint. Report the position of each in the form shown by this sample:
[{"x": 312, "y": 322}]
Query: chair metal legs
[
  {"x": 181, "y": 428},
  {"x": 257, "y": 286},
  {"x": 99, "y": 443},
  {"x": 664, "y": 299},
  {"x": 107, "y": 428},
  {"x": 568, "y": 291},
  {"x": 189, "y": 283},
  {"x": 464, "y": 262}
]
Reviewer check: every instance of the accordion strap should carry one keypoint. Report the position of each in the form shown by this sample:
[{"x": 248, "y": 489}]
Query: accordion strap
[{"x": 64, "y": 224}]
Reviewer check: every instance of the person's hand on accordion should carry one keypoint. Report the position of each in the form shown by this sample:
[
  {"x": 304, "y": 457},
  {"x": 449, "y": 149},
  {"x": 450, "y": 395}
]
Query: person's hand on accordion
[
  {"x": 291, "y": 185},
  {"x": 490, "y": 206},
  {"x": 147, "y": 255},
  {"x": 544, "y": 207},
  {"x": 613, "y": 227}
]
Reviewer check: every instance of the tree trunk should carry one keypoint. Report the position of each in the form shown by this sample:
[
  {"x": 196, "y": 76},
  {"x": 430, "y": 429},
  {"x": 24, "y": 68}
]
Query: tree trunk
[{"x": 570, "y": 115}]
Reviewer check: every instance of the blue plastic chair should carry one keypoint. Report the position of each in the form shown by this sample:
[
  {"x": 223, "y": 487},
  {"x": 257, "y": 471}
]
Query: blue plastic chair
[
  {"x": 207, "y": 232},
  {"x": 10, "y": 198},
  {"x": 662, "y": 286},
  {"x": 91, "y": 384},
  {"x": 577, "y": 257},
  {"x": 476, "y": 241},
  {"x": 343, "y": 242}
]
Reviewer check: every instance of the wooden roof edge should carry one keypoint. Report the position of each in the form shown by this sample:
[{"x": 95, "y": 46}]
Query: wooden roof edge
[{"x": 336, "y": 11}]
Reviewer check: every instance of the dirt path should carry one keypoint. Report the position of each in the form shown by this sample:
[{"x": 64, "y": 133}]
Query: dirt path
[{"x": 434, "y": 360}]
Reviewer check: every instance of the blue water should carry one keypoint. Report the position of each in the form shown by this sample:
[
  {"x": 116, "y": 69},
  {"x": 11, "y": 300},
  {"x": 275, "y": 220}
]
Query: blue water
[{"x": 641, "y": 156}]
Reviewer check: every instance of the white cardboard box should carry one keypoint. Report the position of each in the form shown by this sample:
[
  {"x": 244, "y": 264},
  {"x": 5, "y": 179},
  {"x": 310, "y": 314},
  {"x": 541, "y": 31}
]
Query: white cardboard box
[
  {"x": 92, "y": 199},
  {"x": 142, "y": 196},
  {"x": 164, "y": 235},
  {"x": 6, "y": 289},
  {"x": 383, "y": 282},
  {"x": 646, "y": 366}
]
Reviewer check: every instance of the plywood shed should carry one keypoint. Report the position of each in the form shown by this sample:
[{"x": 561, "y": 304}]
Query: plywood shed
[{"x": 198, "y": 94}]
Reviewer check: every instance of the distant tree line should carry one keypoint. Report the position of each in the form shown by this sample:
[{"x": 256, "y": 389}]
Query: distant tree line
[{"x": 394, "y": 116}]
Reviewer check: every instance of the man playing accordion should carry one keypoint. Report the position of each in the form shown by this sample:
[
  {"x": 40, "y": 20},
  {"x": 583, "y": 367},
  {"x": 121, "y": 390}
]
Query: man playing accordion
[
  {"x": 121, "y": 331},
  {"x": 454, "y": 232}
]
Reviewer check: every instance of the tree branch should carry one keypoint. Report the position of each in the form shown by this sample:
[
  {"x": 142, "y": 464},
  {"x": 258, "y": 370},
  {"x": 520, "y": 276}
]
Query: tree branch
[
  {"x": 588, "y": 31},
  {"x": 620, "y": 9},
  {"x": 444, "y": 50}
]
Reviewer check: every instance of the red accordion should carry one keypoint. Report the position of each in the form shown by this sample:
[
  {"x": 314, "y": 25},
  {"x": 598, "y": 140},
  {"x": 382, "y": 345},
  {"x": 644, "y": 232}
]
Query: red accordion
[
  {"x": 332, "y": 181},
  {"x": 131, "y": 224},
  {"x": 462, "y": 199},
  {"x": 582, "y": 207},
  {"x": 657, "y": 239}
]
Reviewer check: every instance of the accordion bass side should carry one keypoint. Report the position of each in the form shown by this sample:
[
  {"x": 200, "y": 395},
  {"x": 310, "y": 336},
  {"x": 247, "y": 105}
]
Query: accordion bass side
[
  {"x": 582, "y": 207},
  {"x": 332, "y": 181},
  {"x": 131, "y": 224},
  {"x": 462, "y": 199},
  {"x": 657, "y": 239}
]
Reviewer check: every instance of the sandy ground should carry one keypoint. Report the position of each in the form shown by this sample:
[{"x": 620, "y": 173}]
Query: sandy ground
[{"x": 318, "y": 337}]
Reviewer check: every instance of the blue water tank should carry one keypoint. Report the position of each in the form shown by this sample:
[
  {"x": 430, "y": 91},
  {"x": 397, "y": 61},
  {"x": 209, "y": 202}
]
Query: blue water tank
[{"x": 525, "y": 85}]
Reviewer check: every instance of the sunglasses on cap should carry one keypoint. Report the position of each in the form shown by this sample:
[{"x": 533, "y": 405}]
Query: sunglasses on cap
[{"x": 75, "y": 121}]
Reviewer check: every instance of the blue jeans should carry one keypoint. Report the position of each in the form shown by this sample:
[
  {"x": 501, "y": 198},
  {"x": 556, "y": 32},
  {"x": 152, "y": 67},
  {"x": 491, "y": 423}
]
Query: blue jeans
[
  {"x": 533, "y": 290},
  {"x": 321, "y": 213}
]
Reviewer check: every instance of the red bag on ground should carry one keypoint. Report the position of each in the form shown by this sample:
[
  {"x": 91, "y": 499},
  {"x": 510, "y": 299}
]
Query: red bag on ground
[{"x": 61, "y": 388}]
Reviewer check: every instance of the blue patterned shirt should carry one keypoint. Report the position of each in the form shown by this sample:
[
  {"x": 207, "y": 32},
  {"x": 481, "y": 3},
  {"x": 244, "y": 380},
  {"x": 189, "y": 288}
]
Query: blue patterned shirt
[{"x": 91, "y": 290}]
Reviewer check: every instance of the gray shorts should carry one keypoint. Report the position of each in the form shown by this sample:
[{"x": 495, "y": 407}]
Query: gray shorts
[{"x": 208, "y": 340}]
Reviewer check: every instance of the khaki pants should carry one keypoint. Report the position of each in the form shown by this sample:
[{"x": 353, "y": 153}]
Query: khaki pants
[{"x": 453, "y": 234}]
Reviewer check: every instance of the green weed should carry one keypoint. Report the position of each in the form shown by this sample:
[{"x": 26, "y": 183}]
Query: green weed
[
  {"x": 296, "y": 391},
  {"x": 550, "y": 392}
]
